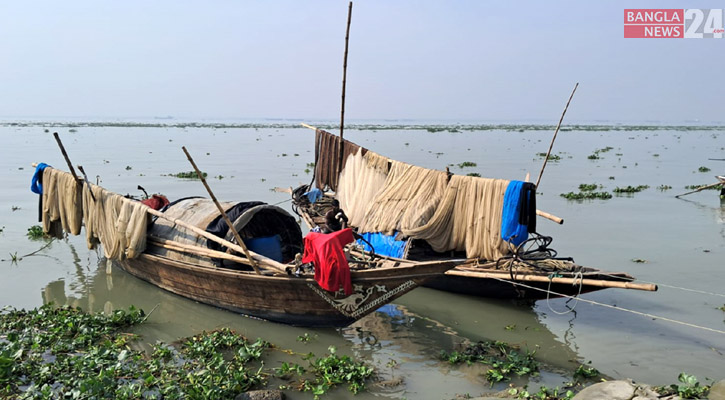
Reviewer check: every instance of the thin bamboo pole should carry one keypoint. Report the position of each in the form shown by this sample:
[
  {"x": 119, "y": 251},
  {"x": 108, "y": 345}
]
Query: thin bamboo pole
[
  {"x": 344, "y": 77},
  {"x": 568, "y": 281},
  {"x": 221, "y": 210},
  {"x": 555, "y": 132},
  {"x": 701, "y": 188},
  {"x": 263, "y": 261},
  {"x": 67, "y": 159},
  {"x": 344, "y": 81},
  {"x": 198, "y": 250}
]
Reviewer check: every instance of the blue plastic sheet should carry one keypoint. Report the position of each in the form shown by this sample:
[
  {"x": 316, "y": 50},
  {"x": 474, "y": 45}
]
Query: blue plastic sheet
[
  {"x": 270, "y": 246},
  {"x": 384, "y": 245}
]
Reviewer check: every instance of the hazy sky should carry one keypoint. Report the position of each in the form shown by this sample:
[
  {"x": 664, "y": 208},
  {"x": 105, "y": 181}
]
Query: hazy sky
[{"x": 448, "y": 60}]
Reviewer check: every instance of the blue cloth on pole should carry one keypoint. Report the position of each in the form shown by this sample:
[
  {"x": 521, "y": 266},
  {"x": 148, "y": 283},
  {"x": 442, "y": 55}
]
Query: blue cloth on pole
[
  {"x": 512, "y": 230},
  {"x": 313, "y": 195},
  {"x": 384, "y": 245},
  {"x": 35, "y": 186}
]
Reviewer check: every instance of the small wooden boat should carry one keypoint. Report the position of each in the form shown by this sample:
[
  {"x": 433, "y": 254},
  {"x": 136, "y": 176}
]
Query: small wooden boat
[
  {"x": 186, "y": 254},
  {"x": 531, "y": 270}
]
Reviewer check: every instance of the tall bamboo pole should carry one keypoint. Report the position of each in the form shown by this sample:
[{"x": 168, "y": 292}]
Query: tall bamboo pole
[
  {"x": 344, "y": 81},
  {"x": 555, "y": 132},
  {"x": 240, "y": 242}
]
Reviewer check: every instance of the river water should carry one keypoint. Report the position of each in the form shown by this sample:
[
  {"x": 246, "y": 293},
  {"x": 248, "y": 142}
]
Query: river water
[{"x": 682, "y": 242}]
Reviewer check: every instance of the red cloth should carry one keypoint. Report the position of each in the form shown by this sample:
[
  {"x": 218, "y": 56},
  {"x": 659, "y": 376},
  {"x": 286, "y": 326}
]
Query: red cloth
[
  {"x": 325, "y": 251},
  {"x": 156, "y": 202}
]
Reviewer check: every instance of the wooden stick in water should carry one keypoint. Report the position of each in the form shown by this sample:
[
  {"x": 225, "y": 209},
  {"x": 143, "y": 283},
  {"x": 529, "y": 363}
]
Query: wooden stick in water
[
  {"x": 344, "y": 80},
  {"x": 67, "y": 159},
  {"x": 700, "y": 189},
  {"x": 224, "y": 214},
  {"x": 555, "y": 132}
]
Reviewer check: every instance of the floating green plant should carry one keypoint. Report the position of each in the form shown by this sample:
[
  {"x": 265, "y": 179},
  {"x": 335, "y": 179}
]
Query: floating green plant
[
  {"x": 473, "y": 174},
  {"x": 188, "y": 175},
  {"x": 588, "y": 187},
  {"x": 586, "y": 195},
  {"x": 467, "y": 164},
  {"x": 586, "y": 372},
  {"x": 552, "y": 157},
  {"x": 630, "y": 189},
  {"x": 503, "y": 360},
  {"x": 662, "y": 188},
  {"x": 35, "y": 232},
  {"x": 703, "y": 169},
  {"x": 333, "y": 370},
  {"x": 688, "y": 388}
]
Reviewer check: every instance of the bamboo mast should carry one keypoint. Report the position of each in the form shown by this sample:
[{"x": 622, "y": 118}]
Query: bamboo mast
[
  {"x": 224, "y": 214},
  {"x": 555, "y": 132},
  {"x": 344, "y": 81}
]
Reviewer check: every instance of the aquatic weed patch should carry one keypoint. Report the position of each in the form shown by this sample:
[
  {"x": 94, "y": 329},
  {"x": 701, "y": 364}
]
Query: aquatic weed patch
[
  {"x": 187, "y": 175},
  {"x": 688, "y": 388},
  {"x": 64, "y": 352},
  {"x": 588, "y": 187},
  {"x": 630, "y": 189},
  {"x": 325, "y": 373},
  {"x": 55, "y": 352},
  {"x": 552, "y": 157},
  {"x": 503, "y": 360},
  {"x": 586, "y": 195},
  {"x": 35, "y": 232}
]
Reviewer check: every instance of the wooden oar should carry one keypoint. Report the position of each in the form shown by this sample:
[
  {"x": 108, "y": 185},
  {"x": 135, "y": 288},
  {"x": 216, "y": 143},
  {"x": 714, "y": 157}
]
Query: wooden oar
[
  {"x": 221, "y": 210},
  {"x": 700, "y": 189}
]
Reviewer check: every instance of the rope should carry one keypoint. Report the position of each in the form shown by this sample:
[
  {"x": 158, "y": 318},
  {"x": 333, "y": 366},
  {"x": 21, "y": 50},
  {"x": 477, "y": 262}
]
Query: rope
[
  {"x": 618, "y": 308},
  {"x": 579, "y": 276}
]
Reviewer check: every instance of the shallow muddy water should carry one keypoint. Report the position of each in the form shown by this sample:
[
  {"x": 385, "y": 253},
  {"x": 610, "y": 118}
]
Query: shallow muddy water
[{"x": 682, "y": 241}]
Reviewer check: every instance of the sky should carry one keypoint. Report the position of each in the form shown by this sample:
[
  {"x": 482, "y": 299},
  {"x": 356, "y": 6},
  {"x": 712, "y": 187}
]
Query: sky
[{"x": 458, "y": 61}]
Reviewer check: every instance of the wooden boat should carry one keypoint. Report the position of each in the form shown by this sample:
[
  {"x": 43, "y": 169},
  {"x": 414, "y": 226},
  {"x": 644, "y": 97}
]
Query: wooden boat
[
  {"x": 183, "y": 257},
  {"x": 530, "y": 273}
]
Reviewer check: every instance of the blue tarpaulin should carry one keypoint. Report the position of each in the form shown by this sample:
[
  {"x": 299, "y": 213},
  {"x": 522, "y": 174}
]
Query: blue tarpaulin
[
  {"x": 384, "y": 245},
  {"x": 511, "y": 229}
]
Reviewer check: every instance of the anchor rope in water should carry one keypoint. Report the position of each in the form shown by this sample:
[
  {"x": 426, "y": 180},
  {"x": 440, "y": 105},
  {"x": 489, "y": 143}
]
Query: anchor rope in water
[
  {"x": 617, "y": 308},
  {"x": 578, "y": 276}
]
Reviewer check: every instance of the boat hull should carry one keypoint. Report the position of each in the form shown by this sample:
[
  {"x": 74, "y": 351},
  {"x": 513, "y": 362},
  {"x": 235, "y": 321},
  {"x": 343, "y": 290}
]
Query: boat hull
[{"x": 290, "y": 300}]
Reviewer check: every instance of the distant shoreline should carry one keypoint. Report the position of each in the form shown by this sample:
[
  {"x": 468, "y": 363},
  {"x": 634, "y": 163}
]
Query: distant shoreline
[{"x": 452, "y": 127}]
